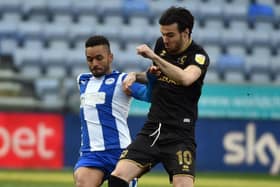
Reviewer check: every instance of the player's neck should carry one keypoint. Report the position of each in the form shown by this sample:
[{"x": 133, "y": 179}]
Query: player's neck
[{"x": 187, "y": 44}]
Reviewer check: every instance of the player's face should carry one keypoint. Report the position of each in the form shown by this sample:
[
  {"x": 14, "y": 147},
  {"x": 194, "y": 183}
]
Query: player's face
[
  {"x": 174, "y": 41},
  {"x": 99, "y": 60}
]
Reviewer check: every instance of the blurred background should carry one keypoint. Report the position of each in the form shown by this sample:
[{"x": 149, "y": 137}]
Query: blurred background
[{"x": 42, "y": 52}]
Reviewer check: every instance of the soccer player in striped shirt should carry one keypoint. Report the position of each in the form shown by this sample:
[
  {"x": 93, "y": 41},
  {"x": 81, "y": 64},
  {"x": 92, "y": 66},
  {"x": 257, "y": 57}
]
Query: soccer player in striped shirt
[{"x": 103, "y": 111}]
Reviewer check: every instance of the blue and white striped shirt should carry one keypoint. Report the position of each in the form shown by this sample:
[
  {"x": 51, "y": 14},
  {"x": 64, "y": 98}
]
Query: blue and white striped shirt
[{"x": 104, "y": 110}]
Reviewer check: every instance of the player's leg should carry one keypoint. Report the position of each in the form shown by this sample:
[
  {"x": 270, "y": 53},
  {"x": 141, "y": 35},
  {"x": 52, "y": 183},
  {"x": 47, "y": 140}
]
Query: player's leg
[
  {"x": 179, "y": 162},
  {"x": 88, "y": 177},
  {"x": 183, "y": 181},
  {"x": 126, "y": 170},
  {"x": 137, "y": 159}
]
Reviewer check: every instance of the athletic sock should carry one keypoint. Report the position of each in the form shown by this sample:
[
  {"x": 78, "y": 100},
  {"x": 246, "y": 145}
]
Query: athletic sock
[{"x": 116, "y": 182}]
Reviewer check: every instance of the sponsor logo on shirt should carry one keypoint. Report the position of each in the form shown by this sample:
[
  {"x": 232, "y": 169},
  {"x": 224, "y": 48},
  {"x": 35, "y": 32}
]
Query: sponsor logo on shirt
[
  {"x": 200, "y": 59},
  {"x": 109, "y": 81}
]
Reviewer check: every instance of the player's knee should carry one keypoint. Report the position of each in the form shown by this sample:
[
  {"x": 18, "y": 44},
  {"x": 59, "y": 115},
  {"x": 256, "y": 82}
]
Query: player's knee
[
  {"x": 115, "y": 181},
  {"x": 79, "y": 180}
]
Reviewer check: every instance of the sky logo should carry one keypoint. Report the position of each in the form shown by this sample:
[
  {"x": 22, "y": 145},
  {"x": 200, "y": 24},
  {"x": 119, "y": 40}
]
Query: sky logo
[{"x": 245, "y": 147}]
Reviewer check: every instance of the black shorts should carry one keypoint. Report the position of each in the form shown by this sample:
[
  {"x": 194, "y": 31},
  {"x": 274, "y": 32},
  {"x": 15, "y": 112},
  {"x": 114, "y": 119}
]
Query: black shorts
[{"x": 177, "y": 157}]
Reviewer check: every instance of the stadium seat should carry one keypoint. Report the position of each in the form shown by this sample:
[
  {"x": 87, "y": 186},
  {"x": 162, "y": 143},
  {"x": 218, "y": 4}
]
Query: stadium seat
[
  {"x": 54, "y": 56},
  {"x": 30, "y": 30},
  {"x": 58, "y": 71},
  {"x": 28, "y": 62},
  {"x": 239, "y": 51},
  {"x": 59, "y": 6},
  {"x": 259, "y": 11},
  {"x": 157, "y": 7},
  {"x": 130, "y": 33},
  {"x": 233, "y": 36},
  {"x": 63, "y": 19},
  {"x": 111, "y": 34},
  {"x": 260, "y": 78},
  {"x": 209, "y": 35},
  {"x": 258, "y": 37},
  {"x": 36, "y": 6},
  {"x": 229, "y": 62},
  {"x": 109, "y": 7},
  {"x": 235, "y": 77},
  {"x": 81, "y": 31},
  {"x": 210, "y": 10},
  {"x": 55, "y": 31},
  {"x": 84, "y": 7},
  {"x": 8, "y": 45},
  {"x": 275, "y": 39},
  {"x": 35, "y": 10},
  {"x": 275, "y": 65},
  {"x": 8, "y": 30},
  {"x": 214, "y": 51},
  {"x": 258, "y": 61},
  {"x": 152, "y": 33},
  {"x": 212, "y": 76},
  {"x": 59, "y": 45},
  {"x": 77, "y": 70},
  {"x": 75, "y": 60},
  {"x": 235, "y": 10},
  {"x": 27, "y": 56},
  {"x": 136, "y": 8},
  {"x": 88, "y": 19},
  {"x": 33, "y": 43},
  {"x": 48, "y": 90},
  {"x": 116, "y": 20},
  {"x": 11, "y": 6}
]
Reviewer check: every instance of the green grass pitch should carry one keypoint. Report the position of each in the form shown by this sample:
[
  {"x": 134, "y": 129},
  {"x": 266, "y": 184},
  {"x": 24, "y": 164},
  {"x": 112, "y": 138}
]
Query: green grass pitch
[{"x": 35, "y": 178}]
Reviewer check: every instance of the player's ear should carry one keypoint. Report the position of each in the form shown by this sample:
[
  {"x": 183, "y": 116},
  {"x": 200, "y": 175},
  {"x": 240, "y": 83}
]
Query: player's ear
[{"x": 186, "y": 32}]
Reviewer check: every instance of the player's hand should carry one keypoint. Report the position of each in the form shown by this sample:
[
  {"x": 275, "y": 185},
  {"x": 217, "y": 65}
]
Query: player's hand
[
  {"x": 154, "y": 70},
  {"x": 127, "y": 82},
  {"x": 145, "y": 51}
]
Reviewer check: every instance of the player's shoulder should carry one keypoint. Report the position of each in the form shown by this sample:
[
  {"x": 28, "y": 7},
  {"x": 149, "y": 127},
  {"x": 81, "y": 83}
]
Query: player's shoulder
[
  {"x": 118, "y": 74},
  {"x": 83, "y": 77},
  {"x": 197, "y": 48}
]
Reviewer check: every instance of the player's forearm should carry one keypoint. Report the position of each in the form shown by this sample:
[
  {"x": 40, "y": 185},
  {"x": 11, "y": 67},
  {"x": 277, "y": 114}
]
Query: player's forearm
[
  {"x": 171, "y": 71},
  {"x": 141, "y": 77}
]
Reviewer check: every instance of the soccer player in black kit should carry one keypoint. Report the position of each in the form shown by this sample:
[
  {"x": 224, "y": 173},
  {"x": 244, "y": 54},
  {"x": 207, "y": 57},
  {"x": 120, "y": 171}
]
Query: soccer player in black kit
[{"x": 168, "y": 136}]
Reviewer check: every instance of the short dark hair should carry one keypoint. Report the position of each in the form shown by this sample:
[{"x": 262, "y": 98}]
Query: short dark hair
[
  {"x": 179, "y": 15},
  {"x": 97, "y": 40}
]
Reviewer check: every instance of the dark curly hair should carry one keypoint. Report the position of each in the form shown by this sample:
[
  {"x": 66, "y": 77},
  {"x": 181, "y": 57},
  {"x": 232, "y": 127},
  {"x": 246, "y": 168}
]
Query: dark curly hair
[{"x": 179, "y": 15}]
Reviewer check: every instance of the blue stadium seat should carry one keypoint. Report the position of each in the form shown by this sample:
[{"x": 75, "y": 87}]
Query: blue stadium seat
[
  {"x": 228, "y": 62},
  {"x": 136, "y": 8},
  {"x": 258, "y": 11}
]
